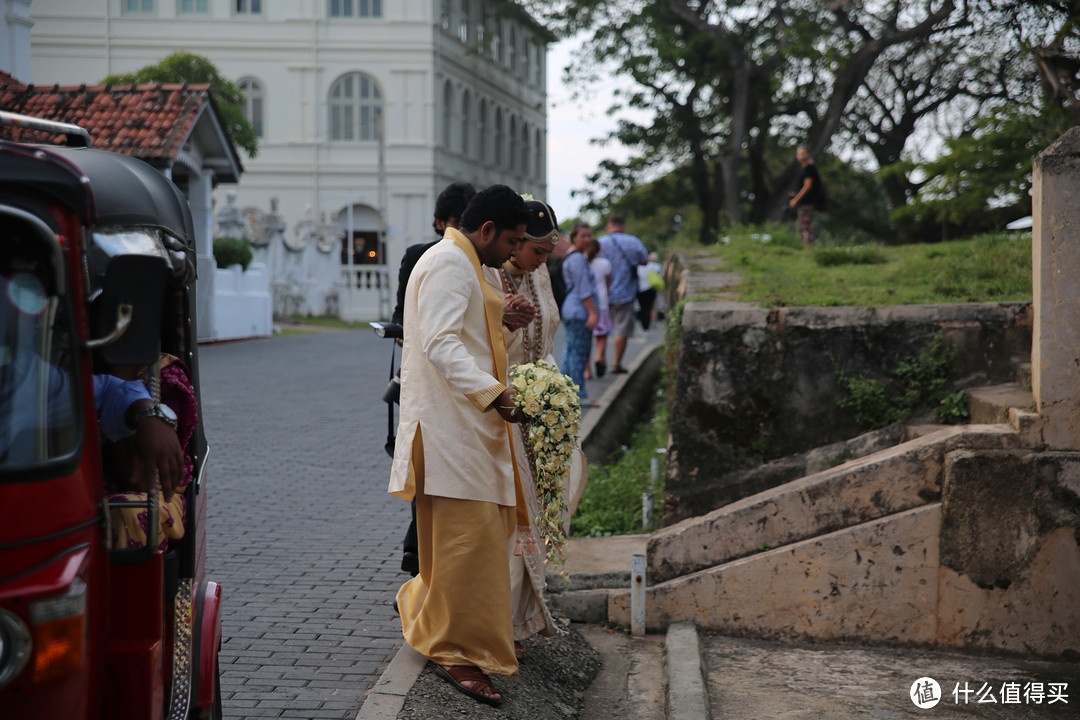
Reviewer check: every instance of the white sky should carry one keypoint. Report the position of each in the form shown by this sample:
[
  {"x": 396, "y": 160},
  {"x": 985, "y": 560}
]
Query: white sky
[{"x": 571, "y": 125}]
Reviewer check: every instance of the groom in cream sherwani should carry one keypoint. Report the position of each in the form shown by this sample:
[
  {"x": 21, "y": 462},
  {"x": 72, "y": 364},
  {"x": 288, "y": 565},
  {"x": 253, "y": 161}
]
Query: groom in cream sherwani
[{"x": 454, "y": 451}]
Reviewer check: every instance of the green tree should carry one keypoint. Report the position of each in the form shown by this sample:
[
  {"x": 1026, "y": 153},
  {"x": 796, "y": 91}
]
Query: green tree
[
  {"x": 983, "y": 178},
  {"x": 185, "y": 67},
  {"x": 733, "y": 87}
]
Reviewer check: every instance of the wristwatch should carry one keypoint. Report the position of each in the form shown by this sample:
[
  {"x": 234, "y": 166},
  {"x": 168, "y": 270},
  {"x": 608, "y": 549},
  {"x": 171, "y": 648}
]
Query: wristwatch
[{"x": 160, "y": 411}]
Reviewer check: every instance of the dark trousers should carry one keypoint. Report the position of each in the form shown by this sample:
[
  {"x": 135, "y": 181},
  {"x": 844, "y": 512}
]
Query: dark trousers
[
  {"x": 410, "y": 560},
  {"x": 646, "y": 299}
]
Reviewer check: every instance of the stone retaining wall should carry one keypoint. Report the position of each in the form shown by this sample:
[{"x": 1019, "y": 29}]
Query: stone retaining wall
[{"x": 755, "y": 385}]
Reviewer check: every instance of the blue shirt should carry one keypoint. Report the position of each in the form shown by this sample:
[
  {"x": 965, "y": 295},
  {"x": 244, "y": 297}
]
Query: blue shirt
[
  {"x": 579, "y": 285},
  {"x": 113, "y": 397},
  {"x": 23, "y": 406},
  {"x": 625, "y": 252}
]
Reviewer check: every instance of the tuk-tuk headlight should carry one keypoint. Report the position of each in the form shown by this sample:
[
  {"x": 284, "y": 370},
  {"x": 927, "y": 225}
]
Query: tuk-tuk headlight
[
  {"x": 58, "y": 625},
  {"x": 14, "y": 646}
]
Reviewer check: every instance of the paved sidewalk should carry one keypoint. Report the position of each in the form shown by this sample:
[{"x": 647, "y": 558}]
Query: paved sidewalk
[{"x": 302, "y": 535}]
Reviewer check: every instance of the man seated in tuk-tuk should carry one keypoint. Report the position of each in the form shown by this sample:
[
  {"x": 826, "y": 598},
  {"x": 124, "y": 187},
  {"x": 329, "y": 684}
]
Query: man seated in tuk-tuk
[
  {"x": 179, "y": 412},
  {"x": 128, "y": 418}
]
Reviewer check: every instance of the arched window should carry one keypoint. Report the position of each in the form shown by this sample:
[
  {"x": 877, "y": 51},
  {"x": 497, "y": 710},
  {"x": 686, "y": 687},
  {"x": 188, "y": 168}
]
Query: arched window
[
  {"x": 464, "y": 10},
  {"x": 444, "y": 14},
  {"x": 511, "y": 49},
  {"x": 355, "y": 108},
  {"x": 524, "y": 149},
  {"x": 513, "y": 137},
  {"x": 448, "y": 116},
  {"x": 482, "y": 35},
  {"x": 498, "y": 137},
  {"x": 254, "y": 97},
  {"x": 482, "y": 141},
  {"x": 466, "y": 123}
]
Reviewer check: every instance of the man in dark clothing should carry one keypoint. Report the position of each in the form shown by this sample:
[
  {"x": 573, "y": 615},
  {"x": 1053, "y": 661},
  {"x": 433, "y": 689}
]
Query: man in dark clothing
[
  {"x": 448, "y": 208},
  {"x": 808, "y": 197}
]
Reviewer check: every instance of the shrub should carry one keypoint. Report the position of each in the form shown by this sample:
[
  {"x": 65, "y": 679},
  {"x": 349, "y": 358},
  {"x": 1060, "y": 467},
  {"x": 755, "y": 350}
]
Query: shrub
[
  {"x": 611, "y": 504},
  {"x": 917, "y": 384},
  {"x": 229, "y": 251},
  {"x": 852, "y": 255}
]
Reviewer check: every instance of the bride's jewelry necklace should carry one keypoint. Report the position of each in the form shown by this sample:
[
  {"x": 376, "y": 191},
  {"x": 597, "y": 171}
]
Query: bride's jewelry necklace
[{"x": 531, "y": 333}]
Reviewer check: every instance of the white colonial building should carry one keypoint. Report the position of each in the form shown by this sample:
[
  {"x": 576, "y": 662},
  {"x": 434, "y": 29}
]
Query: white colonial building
[{"x": 365, "y": 110}]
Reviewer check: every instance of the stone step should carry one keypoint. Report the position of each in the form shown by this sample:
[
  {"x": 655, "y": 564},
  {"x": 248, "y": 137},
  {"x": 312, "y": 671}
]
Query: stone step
[
  {"x": 883, "y": 483},
  {"x": 914, "y": 432},
  {"x": 991, "y": 404},
  {"x": 977, "y": 570},
  {"x": 875, "y": 582}
]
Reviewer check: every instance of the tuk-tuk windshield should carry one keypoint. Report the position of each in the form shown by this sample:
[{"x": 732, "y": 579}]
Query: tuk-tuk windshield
[{"x": 38, "y": 422}]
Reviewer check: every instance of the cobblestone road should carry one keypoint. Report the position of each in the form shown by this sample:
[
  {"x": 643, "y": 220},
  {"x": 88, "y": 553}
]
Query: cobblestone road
[{"x": 302, "y": 535}]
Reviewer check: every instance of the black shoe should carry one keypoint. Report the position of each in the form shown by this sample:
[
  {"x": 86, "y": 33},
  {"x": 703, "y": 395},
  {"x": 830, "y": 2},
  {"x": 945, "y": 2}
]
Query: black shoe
[
  {"x": 601, "y": 368},
  {"x": 410, "y": 563},
  {"x": 618, "y": 370}
]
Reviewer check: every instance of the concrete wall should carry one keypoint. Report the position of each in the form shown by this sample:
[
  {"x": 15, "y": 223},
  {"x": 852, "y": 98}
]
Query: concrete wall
[
  {"x": 758, "y": 384},
  {"x": 242, "y": 304}
]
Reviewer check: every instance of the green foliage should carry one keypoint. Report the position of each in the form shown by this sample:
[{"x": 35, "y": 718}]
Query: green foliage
[
  {"x": 611, "y": 504},
  {"x": 953, "y": 409},
  {"x": 984, "y": 177},
  {"x": 185, "y": 67},
  {"x": 229, "y": 251},
  {"x": 917, "y": 384},
  {"x": 774, "y": 235},
  {"x": 850, "y": 255},
  {"x": 779, "y": 273}
]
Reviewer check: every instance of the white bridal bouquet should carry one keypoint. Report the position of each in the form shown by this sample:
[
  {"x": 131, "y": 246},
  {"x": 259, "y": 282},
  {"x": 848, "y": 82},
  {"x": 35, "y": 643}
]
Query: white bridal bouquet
[{"x": 550, "y": 403}]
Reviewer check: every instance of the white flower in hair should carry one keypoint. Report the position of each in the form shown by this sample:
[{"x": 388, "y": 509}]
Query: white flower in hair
[{"x": 527, "y": 197}]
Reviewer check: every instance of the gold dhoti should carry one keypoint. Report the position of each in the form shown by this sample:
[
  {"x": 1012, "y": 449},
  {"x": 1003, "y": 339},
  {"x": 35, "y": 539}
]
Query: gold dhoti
[{"x": 457, "y": 610}]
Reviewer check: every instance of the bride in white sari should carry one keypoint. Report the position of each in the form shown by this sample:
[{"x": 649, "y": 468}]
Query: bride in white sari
[{"x": 526, "y": 274}]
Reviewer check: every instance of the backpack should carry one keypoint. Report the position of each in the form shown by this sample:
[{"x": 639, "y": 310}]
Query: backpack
[
  {"x": 558, "y": 285},
  {"x": 823, "y": 195}
]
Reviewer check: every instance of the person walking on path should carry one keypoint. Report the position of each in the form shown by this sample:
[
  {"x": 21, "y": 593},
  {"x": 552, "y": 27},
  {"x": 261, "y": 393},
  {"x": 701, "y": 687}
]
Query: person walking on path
[
  {"x": 601, "y": 268},
  {"x": 454, "y": 450},
  {"x": 648, "y": 287},
  {"x": 449, "y": 206},
  {"x": 808, "y": 196},
  {"x": 526, "y": 273},
  {"x": 625, "y": 252},
  {"x": 579, "y": 315}
]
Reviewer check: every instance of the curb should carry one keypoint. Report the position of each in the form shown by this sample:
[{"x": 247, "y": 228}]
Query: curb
[
  {"x": 387, "y": 697},
  {"x": 602, "y": 428},
  {"x": 687, "y": 694}
]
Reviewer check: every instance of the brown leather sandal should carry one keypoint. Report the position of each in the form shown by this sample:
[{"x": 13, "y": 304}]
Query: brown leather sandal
[{"x": 458, "y": 674}]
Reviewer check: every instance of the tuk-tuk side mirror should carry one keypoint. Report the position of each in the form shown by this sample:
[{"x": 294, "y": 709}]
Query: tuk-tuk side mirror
[{"x": 137, "y": 281}]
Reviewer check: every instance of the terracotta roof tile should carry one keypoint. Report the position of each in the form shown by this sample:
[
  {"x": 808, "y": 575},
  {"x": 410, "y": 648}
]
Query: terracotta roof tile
[{"x": 146, "y": 121}]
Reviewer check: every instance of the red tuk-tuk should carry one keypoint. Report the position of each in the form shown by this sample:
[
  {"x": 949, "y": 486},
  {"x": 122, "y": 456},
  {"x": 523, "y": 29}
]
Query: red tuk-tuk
[{"x": 97, "y": 272}]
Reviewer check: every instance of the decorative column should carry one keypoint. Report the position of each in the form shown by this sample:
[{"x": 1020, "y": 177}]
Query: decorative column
[
  {"x": 1055, "y": 251},
  {"x": 200, "y": 190}
]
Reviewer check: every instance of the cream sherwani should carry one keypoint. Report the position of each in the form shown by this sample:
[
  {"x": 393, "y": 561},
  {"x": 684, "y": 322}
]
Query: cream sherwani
[{"x": 453, "y": 452}]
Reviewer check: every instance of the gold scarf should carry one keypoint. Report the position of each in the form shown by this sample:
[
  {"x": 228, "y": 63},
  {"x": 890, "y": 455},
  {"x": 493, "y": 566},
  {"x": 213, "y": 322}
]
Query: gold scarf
[{"x": 493, "y": 314}]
